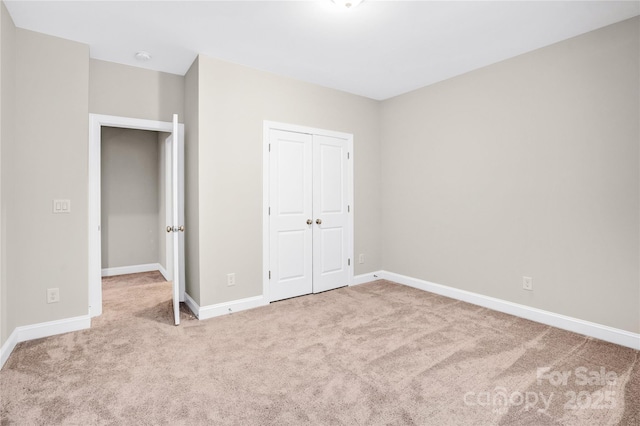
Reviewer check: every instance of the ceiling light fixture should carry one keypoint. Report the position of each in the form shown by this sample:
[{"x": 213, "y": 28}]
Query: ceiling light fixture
[
  {"x": 347, "y": 4},
  {"x": 143, "y": 56}
]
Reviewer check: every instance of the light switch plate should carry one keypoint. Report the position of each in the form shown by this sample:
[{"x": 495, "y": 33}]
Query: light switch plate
[{"x": 61, "y": 206}]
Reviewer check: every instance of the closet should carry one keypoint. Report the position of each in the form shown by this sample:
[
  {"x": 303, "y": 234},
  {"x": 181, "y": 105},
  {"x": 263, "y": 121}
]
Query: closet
[{"x": 309, "y": 211}]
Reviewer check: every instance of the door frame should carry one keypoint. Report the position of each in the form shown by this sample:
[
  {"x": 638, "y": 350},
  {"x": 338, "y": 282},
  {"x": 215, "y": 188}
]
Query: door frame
[
  {"x": 274, "y": 125},
  {"x": 96, "y": 122}
]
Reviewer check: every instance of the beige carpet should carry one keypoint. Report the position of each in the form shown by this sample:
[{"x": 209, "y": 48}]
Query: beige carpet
[{"x": 379, "y": 353}]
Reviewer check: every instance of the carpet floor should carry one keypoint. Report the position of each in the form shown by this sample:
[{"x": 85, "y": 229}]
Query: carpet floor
[{"x": 374, "y": 354}]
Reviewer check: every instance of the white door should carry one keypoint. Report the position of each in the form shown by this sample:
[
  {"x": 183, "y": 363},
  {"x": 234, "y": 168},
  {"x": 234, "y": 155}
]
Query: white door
[
  {"x": 331, "y": 221},
  {"x": 175, "y": 214},
  {"x": 309, "y": 213},
  {"x": 291, "y": 214}
]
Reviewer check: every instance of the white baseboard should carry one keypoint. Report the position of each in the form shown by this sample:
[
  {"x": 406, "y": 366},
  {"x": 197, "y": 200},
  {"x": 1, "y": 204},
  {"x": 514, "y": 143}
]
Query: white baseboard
[
  {"x": 164, "y": 272},
  {"x": 591, "y": 329},
  {"x": 8, "y": 347},
  {"x": 598, "y": 331},
  {"x": 192, "y": 305},
  {"x": 44, "y": 329},
  {"x": 366, "y": 278},
  {"x": 219, "y": 309},
  {"x": 133, "y": 269}
]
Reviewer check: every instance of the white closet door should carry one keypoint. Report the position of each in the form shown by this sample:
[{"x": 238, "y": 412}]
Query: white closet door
[
  {"x": 331, "y": 219},
  {"x": 290, "y": 193}
]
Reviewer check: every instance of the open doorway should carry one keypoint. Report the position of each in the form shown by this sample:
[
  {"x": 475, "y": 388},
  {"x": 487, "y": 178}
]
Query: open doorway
[
  {"x": 169, "y": 254},
  {"x": 133, "y": 206}
]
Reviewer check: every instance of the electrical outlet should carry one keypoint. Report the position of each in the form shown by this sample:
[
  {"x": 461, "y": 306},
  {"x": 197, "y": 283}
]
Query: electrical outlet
[
  {"x": 53, "y": 295},
  {"x": 361, "y": 258},
  {"x": 231, "y": 279},
  {"x": 527, "y": 283}
]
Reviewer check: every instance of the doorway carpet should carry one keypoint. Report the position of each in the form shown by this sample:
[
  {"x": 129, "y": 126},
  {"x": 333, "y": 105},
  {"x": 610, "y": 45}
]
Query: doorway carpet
[{"x": 378, "y": 353}]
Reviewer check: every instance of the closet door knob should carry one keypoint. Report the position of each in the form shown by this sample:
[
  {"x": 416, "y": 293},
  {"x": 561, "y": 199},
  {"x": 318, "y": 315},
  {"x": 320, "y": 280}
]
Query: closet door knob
[
  {"x": 319, "y": 221},
  {"x": 309, "y": 221},
  {"x": 169, "y": 228}
]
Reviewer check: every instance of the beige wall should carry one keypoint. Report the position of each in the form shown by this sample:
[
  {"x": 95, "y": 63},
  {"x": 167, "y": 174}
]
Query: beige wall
[
  {"x": 191, "y": 183},
  {"x": 48, "y": 160},
  {"x": 233, "y": 103},
  {"x": 526, "y": 167},
  {"x": 7, "y": 135},
  {"x": 127, "y": 91},
  {"x": 130, "y": 186}
]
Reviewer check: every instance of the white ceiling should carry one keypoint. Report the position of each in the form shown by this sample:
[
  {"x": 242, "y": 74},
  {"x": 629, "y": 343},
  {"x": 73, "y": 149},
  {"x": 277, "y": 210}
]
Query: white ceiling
[{"x": 379, "y": 49}]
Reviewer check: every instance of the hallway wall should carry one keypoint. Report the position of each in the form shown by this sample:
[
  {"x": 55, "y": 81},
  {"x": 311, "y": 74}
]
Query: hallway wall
[
  {"x": 126, "y": 91},
  {"x": 130, "y": 186}
]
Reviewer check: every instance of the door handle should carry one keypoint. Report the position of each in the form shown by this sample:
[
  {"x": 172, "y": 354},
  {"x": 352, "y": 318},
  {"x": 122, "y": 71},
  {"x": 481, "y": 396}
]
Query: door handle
[
  {"x": 181, "y": 228},
  {"x": 169, "y": 228},
  {"x": 309, "y": 221},
  {"x": 319, "y": 221}
]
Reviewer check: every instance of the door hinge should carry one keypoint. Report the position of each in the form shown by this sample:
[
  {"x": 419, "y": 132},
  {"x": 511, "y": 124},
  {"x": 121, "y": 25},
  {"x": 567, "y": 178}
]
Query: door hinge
[
  {"x": 269, "y": 147},
  {"x": 349, "y": 262},
  {"x": 348, "y": 209},
  {"x": 269, "y": 211},
  {"x": 269, "y": 274},
  {"x": 347, "y": 155}
]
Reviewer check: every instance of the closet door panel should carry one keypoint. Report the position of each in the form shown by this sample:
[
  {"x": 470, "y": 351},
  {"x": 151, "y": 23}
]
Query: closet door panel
[
  {"x": 290, "y": 242},
  {"x": 330, "y": 210}
]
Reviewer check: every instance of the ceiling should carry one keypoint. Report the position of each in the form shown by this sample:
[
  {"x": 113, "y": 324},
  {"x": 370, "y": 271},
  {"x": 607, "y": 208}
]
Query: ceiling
[{"x": 379, "y": 49}]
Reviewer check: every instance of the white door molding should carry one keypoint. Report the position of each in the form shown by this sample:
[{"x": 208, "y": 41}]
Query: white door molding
[
  {"x": 96, "y": 122},
  {"x": 267, "y": 127}
]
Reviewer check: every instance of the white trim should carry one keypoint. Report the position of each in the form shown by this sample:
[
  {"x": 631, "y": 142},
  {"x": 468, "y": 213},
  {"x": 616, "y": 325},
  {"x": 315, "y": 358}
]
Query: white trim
[
  {"x": 8, "y": 347},
  {"x": 96, "y": 122},
  {"x": 275, "y": 125},
  {"x": 269, "y": 125},
  {"x": 132, "y": 123},
  {"x": 192, "y": 305},
  {"x": 51, "y": 328},
  {"x": 219, "y": 309},
  {"x": 598, "y": 331},
  {"x": 591, "y": 329},
  {"x": 366, "y": 278},
  {"x": 351, "y": 215},
  {"x": 164, "y": 272},
  {"x": 265, "y": 210},
  {"x": 133, "y": 269},
  {"x": 44, "y": 329},
  {"x": 95, "y": 238}
]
